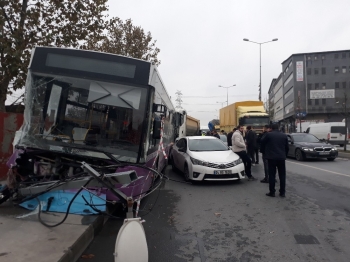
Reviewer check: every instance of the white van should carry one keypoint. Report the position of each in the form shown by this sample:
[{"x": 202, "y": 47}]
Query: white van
[{"x": 332, "y": 132}]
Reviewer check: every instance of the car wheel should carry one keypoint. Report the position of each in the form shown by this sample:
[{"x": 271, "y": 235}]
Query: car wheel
[
  {"x": 331, "y": 158},
  {"x": 299, "y": 155},
  {"x": 186, "y": 173}
]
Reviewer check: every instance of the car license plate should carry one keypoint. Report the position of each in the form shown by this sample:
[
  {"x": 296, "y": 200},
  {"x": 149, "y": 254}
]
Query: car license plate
[
  {"x": 222, "y": 172},
  {"x": 324, "y": 153}
]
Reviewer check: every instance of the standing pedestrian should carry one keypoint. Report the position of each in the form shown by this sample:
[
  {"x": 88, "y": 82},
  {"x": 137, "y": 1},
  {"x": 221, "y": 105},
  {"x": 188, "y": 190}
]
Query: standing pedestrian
[
  {"x": 229, "y": 137},
  {"x": 250, "y": 137},
  {"x": 214, "y": 133},
  {"x": 239, "y": 147},
  {"x": 266, "y": 129},
  {"x": 275, "y": 147}
]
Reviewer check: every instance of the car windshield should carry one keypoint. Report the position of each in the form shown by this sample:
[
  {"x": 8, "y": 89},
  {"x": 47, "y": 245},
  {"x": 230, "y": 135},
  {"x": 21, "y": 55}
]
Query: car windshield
[
  {"x": 223, "y": 138},
  {"x": 206, "y": 145},
  {"x": 305, "y": 138}
]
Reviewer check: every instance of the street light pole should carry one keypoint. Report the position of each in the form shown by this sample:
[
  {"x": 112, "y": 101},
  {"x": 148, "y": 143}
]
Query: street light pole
[
  {"x": 222, "y": 103},
  {"x": 227, "y": 87},
  {"x": 245, "y": 39}
]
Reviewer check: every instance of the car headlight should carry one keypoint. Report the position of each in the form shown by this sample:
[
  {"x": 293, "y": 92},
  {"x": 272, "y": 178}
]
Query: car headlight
[
  {"x": 334, "y": 149},
  {"x": 307, "y": 149},
  {"x": 198, "y": 162},
  {"x": 237, "y": 162}
]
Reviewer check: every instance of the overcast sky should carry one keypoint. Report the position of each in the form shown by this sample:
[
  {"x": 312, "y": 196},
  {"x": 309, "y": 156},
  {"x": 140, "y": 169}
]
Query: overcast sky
[{"x": 202, "y": 47}]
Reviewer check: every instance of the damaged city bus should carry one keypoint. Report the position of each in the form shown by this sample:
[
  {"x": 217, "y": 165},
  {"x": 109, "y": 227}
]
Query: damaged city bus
[{"x": 92, "y": 114}]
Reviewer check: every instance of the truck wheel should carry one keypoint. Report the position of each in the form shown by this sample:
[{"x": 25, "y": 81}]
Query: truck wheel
[{"x": 299, "y": 155}]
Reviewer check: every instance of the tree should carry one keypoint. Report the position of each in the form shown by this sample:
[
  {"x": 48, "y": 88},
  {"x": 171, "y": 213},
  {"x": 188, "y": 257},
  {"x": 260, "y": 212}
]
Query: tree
[
  {"x": 26, "y": 23},
  {"x": 126, "y": 39},
  {"x": 63, "y": 23}
]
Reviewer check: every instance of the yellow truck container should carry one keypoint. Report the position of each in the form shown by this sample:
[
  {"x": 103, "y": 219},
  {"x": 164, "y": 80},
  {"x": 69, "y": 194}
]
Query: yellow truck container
[{"x": 246, "y": 113}]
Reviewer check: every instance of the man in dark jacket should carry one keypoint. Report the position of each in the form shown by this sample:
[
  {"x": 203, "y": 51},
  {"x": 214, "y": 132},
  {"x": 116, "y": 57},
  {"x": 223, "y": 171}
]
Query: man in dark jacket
[
  {"x": 266, "y": 129},
  {"x": 275, "y": 147},
  {"x": 229, "y": 137},
  {"x": 250, "y": 138},
  {"x": 214, "y": 133}
]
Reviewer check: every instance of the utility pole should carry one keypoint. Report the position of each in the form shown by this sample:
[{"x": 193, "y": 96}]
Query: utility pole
[
  {"x": 178, "y": 99},
  {"x": 299, "y": 110},
  {"x": 346, "y": 113}
]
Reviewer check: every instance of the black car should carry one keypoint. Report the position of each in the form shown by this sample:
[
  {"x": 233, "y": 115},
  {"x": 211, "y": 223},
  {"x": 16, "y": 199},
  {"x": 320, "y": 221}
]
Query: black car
[{"x": 303, "y": 146}]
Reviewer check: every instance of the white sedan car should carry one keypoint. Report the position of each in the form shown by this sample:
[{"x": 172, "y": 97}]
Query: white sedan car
[{"x": 206, "y": 158}]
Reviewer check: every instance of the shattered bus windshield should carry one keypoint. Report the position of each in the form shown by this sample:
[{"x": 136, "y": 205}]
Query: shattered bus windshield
[{"x": 84, "y": 116}]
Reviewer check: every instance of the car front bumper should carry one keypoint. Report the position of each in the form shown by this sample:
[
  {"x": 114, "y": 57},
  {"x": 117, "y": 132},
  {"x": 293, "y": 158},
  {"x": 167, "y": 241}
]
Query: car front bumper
[
  {"x": 314, "y": 154},
  {"x": 201, "y": 173}
]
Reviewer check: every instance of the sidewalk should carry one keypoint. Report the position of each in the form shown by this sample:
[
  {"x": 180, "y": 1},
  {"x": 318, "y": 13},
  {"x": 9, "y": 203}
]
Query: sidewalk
[
  {"x": 26, "y": 239},
  {"x": 343, "y": 154}
]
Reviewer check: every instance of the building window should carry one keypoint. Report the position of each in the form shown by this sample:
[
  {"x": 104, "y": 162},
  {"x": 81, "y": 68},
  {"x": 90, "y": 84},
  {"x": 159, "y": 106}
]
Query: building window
[
  {"x": 343, "y": 55},
  {"x": 323, "y": 101},
  {"x": 323, "y": 57},
  {"x": 324, "y": 70},
  {"x": 309, "y": 86},
  {"x": 309, "y": 71},
  {"x": 336, "y": 56},
  {"x": 336, "y": 69},
  {"x": 315, "y": 57},
  {"x": 288, "y": 108},
  {"x": 316, "y": 71},
  {"x": 309, "y": 58},
  {"x": 316, "y": 86},
  {"x": 288, "y": 93},
  {"x": 343, "y": 69},
  {"x": 344, "y": 84},
  {"x": 316, "y": 102},
  {"x": 309, "y": 102},
  {"x": 323, "y": 85},
  {"x": 336, "y": 84}
]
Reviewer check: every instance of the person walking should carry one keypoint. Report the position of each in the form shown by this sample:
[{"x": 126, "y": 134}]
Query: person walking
[
  {"x": 250, "y": 137},
  {"x": 275, "y": 147},
  {"x": 239, "y": 147},
  {"x": 266, "y": 129}
]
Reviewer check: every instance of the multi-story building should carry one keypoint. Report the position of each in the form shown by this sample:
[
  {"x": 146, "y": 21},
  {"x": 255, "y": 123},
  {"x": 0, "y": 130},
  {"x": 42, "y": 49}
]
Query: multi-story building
[{"x": 312, "y": 85}]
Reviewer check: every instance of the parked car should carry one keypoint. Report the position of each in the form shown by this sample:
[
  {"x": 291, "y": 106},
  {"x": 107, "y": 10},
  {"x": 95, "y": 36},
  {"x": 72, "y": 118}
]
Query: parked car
[
  {"x": 206, "y": 158},
  {"x": 332, "y": 132},
  {"x": 224, "y": 139},
  {"x": 303, "y": 146}
]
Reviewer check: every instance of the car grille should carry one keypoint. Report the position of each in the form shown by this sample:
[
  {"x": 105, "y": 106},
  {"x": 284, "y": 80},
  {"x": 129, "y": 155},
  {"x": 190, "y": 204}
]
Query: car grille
[
  {"x": 221, "y": 166},
  {"x": 211, "y": 176},
  {"x": 323, "y": 149}
]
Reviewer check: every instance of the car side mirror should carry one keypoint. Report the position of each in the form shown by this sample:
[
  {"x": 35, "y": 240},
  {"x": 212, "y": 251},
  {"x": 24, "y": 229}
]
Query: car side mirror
[{"x": 182, "y": 149}]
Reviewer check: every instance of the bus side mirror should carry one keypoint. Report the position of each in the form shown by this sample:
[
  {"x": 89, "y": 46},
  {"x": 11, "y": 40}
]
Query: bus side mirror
[{"x": 157, "y": 124}]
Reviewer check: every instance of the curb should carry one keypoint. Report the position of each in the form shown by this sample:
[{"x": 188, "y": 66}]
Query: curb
[
  {"x": 342, "y": 154},
  {"x": 74, "y": 252}
]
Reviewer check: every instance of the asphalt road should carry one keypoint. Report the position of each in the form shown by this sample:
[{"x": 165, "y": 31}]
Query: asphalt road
[{"x": 235, "y": 221}]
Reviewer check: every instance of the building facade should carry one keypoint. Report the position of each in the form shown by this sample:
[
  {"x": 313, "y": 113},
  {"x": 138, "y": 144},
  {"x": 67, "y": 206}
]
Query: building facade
[{"x": 313, "y": 87}]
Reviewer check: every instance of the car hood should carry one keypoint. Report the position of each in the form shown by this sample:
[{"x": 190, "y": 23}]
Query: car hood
[
  {"x": 307, "y": 144},
  {"x": 215, "y": 156}
]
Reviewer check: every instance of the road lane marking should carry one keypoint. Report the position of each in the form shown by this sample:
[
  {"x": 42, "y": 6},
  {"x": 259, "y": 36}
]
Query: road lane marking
[{"x": 318, "y": 168}]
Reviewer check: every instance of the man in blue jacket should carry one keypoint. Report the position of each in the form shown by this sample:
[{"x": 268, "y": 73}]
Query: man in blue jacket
[{"x": 275, "y": 147}]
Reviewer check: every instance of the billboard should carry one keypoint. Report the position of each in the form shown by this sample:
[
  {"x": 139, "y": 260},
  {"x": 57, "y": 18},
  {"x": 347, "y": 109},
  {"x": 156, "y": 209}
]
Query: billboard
[
  {"x": 322, "y": 94},
  {"x": 300, "y": 71}
]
